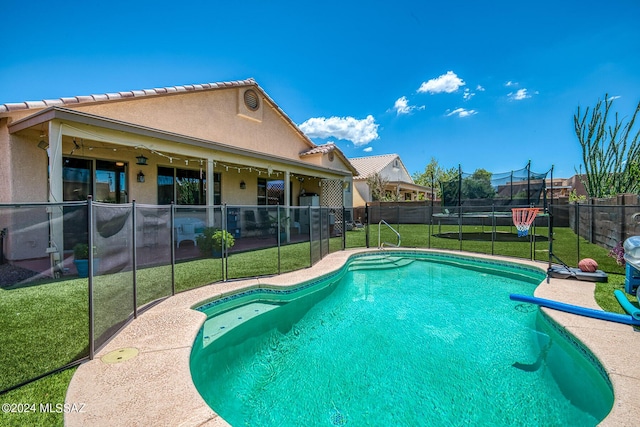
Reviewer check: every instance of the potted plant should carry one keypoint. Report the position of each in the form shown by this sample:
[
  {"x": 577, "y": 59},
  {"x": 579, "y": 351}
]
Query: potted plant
[
  {"x": 81, "y": 259},
  {"x": 211, "y": 239}
]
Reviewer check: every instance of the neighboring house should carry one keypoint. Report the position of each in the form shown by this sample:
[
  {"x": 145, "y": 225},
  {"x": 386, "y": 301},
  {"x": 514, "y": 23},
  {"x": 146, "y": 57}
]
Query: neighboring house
[
  {"x": 205, "y": 144},
  {"x": 562, "y": 187},
  {"x": 389, "y": 166}
]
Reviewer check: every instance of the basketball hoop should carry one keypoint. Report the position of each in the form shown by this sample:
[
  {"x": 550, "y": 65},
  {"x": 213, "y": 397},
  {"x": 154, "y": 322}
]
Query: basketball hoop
[{"x": 523, "y": 218}]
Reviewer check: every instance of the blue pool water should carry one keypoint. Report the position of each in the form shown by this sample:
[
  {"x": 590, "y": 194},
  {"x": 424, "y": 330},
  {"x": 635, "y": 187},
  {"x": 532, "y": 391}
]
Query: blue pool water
[{"x": 409, "y": 340}]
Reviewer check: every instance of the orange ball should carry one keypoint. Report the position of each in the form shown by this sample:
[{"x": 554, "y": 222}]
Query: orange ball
[{"x": 588, "y": 265}]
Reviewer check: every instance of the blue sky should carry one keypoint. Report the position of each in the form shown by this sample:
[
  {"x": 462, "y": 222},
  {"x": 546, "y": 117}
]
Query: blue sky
[{"x": 482, "y": 84}]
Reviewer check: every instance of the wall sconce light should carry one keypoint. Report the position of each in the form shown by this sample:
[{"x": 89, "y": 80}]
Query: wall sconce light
[
  {"x": 140, "y": 177},
  {"x": 43, "y": 144},
  {"x": 141, "y": 160},
  {"x": 242, "y": 185}
]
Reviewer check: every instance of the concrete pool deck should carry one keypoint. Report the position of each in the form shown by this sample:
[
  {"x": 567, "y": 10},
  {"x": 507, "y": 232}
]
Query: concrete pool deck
[{"x": 142, "y": 376}]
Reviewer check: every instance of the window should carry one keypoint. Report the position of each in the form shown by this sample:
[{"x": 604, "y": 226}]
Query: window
[
  {"x": 77, "y": 179},
  {"x": 103, "y": 179},
  {"x": 185, "y": 187},
  {"x": 110, "y": 182},
  {"x": 271, "y": 191}
]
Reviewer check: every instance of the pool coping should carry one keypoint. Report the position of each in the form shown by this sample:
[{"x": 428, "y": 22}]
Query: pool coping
[{"x": 154, "y": 387}]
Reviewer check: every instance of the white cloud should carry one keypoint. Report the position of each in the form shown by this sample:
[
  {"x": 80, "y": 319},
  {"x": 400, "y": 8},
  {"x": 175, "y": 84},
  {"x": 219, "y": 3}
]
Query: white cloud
[
  {"x": 401, "y": 106},
  {"x": 519, "y": 95},
  {"x": 611, "y": 98},
  {"x": 468, "y": 94},
  {"x": 368, "y": 149},
  {"x": 510, "y": 83},
  {"x": 480, "y": 88},
  {"x": 461, "y": 112},
  {"x": 360, "y": 132},
  {"x": 448, "y": 83}
]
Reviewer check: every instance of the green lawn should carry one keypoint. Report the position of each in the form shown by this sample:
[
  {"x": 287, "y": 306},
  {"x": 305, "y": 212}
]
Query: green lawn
[{"x": 45, "y": 325}]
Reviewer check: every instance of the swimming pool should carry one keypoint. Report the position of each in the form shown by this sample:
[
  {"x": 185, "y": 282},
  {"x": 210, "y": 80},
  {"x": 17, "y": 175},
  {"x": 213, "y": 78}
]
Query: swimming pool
[{"x": 406, "y": 339}]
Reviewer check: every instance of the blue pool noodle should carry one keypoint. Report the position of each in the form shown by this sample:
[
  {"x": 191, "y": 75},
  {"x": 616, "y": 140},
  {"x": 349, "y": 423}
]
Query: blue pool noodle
[
  {"x": 575, "y": 309},
  {"x": 628, "y": 307}
]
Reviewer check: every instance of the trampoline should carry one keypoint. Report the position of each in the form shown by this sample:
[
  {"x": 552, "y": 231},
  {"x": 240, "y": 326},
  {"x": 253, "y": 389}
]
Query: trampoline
[{"x": 466, "y": 219}]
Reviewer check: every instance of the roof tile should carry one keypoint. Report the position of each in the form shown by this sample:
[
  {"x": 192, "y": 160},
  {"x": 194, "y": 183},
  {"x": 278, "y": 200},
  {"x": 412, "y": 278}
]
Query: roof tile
[
  {"x": 84, "y": 98},
  {"x": 120, "y": 95},
  {"x": 320, "y": 149},
  {"x": 69, "y": 100},
  {"x": 371, "y": 164},
  {"x": 16, "y": 106},
  {"x": 36, "y": 104},
  {"x": 53, "y": 102}
]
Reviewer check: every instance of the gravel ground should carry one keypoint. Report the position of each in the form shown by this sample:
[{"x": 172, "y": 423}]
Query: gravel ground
[{"x": 10, "y": 274}]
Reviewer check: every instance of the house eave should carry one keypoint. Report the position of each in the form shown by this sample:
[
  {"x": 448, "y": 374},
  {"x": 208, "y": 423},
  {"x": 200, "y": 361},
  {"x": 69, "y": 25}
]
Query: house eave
[{"x": 62, "y": 114}]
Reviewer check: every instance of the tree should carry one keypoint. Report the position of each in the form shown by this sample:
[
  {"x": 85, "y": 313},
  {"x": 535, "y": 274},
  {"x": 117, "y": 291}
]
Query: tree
[
  {"x": 377, "y": 185},
  {"x": 434, "y": 174},
  {"x": 478, "y": 186},
  {"x": 610, "y": 151}
]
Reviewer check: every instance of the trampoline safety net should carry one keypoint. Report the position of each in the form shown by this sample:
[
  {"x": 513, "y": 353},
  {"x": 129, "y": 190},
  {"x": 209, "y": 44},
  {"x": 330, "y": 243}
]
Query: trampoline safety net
[{"x": 518, "y": 187}]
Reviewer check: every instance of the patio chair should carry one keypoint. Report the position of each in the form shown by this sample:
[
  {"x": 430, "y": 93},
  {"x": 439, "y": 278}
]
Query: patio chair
[
  {"x": 187, "y": 229},
  {"x": 250, "y": 223},
  {"x": 266, "y": 224}
]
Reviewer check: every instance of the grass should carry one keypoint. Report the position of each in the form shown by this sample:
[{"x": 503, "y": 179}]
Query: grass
[
  {"x": 45, "y": 325},
  {"x": 51, "y": 389}
]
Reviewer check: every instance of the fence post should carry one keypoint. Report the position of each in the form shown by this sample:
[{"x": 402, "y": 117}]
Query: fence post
[
  {"x": 134, "y": 260},
  {"x": 366, "y": 221},
  {"x": 622, "y": 211},
  {"x": 310, "y": 237},
  {"x": 173, "y": 249},
  {"x": 278, "y": 239},
  {"x": 493, "y": 227},
  {"x": 344, "y": 227},
  {"x": 320, "y": 239},
  {"x": 223, "y": 247},
  {"x": 578, "y": 232},
  {"x": 591, "y": 221},
  {"x": 92, "y": 348}
]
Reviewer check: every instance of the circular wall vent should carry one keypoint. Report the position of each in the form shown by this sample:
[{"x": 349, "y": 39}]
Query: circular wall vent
[{"x": 251, "y": 100}]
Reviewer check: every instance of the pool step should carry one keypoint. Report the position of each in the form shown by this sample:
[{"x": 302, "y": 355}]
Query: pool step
[
  {"x": 379, "y": 262},
  {"x": 219, "y": 325}
]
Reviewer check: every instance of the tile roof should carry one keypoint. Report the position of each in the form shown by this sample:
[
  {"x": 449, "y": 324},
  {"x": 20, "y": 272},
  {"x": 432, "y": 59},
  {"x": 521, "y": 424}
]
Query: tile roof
[
  {"x": 74, "y": 100},
  {"x": 320, "y": 149},
  {"x": 327, "y": 148},
  {"x": 67, "y": 101},
  {"x": 371, "y": 164}
]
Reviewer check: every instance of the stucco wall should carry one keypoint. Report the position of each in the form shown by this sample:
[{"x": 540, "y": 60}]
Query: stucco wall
[
  {"x": 210, "y": 115},
  {"x": 5, "y": 162}
]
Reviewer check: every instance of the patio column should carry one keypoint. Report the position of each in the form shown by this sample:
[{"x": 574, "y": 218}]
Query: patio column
[
  {"x": 210, "y": 193},
  {"x": 209, "y": 177},
  {"x": 56, "y": 231},
  {"x": 55, "y": 167},
  {"x": 287, "y": 202}
]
